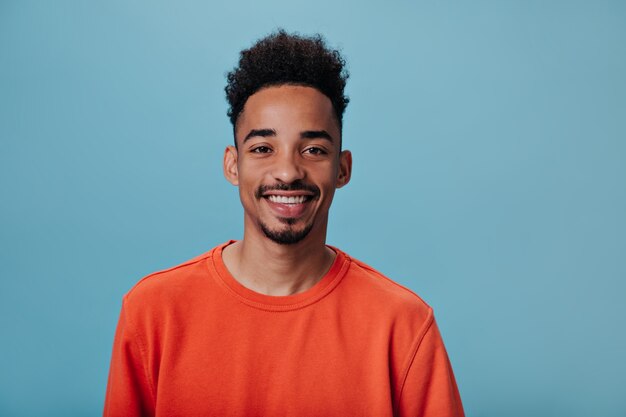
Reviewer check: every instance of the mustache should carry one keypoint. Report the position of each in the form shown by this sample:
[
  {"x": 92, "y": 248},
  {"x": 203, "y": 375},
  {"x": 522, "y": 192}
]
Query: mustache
[{"x": 294, "y": 186}]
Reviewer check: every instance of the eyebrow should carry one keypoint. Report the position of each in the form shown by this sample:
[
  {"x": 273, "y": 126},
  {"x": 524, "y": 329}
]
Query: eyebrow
[
  {"x": 264, "y": 133},
  {"x": 307, "y": 134},
  {"x": 316, "y": 134}
]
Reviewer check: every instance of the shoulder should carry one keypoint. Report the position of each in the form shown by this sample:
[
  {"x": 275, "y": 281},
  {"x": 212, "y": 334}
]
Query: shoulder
[
  {"x": 385, "y": 296},
  {"x": 160, "y": 286},
  {"x": 389, "y": 308}
]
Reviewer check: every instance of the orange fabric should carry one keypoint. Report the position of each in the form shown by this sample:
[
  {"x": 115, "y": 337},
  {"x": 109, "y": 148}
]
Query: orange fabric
[{"x": 192, "y": 341}]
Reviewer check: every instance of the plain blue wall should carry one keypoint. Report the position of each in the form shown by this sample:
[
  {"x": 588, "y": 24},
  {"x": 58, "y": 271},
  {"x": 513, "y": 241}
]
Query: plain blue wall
[{"x": 489, "y": 143}]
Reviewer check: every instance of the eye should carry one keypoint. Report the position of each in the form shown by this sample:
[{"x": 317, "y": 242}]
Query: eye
[
  {"x": 261, "y": 149},
  {"x": 314, "y": 150}
]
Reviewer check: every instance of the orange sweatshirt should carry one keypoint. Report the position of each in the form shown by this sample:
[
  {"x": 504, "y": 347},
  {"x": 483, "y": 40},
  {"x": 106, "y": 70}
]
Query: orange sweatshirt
[{"x": 192, "y": 341}]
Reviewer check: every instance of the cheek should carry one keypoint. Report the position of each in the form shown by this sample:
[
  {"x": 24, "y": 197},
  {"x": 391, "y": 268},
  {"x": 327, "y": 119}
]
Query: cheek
[
  {"x": 251, "y": 170},
  {"x": 330, "y": 176}
]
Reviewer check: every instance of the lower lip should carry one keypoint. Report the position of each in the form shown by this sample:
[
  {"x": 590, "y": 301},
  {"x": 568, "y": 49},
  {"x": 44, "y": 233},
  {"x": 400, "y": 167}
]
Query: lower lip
[{"x": 288, "y": 210}]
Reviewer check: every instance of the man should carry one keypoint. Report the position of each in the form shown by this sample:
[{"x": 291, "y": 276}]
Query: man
[{"x": 279, "y": 323}]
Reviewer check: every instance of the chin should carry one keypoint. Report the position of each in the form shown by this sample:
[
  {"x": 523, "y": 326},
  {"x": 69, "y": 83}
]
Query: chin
[{"x": 287, "y": 236}]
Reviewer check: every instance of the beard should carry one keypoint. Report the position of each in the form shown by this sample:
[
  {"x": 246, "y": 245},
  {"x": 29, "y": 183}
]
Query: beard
[{"x": 287, "y": 236}]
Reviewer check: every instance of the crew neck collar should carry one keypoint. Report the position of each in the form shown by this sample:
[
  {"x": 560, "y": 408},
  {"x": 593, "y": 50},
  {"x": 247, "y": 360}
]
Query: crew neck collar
[{"x": 278, "y": 303}]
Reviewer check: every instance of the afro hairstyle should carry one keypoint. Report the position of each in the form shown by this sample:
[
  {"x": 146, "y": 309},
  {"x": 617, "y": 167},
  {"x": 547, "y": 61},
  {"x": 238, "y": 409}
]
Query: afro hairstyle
[{"x": 282, "y": 58}]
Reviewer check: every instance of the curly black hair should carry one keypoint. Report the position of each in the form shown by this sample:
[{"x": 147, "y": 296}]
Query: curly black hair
[{"x": 283, "y": 58}]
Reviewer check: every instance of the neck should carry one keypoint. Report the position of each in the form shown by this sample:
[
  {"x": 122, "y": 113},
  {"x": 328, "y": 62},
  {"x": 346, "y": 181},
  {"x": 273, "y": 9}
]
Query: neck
[{"x": 269, "y": 268}]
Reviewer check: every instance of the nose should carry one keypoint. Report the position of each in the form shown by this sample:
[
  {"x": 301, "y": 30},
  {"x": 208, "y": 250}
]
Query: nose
[{"x": 288, "y": 168}]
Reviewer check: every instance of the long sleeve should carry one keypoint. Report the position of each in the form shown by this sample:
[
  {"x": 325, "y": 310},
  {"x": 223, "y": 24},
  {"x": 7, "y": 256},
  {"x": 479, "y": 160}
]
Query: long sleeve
[
  {"x": 129, "y": 392},
  {"x": 430, "y": 389}
]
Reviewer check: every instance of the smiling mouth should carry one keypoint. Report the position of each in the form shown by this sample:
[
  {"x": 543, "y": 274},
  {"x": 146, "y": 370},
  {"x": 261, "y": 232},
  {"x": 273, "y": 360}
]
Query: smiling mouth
[
  {"x": 288, "y": 206},
  {"x": 283, "y": 199},
  {"x": 289, "y": 202},
  {"x": 284, "y": 196}
]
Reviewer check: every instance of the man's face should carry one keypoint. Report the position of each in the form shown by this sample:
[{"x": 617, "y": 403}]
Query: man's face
[{"x": 288, "y": 162}]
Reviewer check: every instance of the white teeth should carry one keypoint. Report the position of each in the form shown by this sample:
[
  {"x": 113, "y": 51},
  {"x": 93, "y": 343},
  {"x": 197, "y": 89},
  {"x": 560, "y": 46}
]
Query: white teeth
[{"x": 287, "y": 200}]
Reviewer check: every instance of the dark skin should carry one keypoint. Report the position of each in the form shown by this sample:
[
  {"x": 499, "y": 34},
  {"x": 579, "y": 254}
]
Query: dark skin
[{"x": 286, "y": 135}]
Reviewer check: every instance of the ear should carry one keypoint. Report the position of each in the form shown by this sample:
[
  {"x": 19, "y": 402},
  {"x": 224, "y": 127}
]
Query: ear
[
  {"x": 345, "y": 168},
  {"x": 231, "y": 171}
]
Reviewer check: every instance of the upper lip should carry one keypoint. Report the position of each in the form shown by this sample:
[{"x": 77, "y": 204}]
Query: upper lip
[
  {"x": 283, "y": 193},
  {"x": 297, "y": 189}
]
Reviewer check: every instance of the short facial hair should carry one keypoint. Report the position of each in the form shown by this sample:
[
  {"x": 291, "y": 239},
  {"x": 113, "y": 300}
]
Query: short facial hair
[{"x": 287, "y": 236}]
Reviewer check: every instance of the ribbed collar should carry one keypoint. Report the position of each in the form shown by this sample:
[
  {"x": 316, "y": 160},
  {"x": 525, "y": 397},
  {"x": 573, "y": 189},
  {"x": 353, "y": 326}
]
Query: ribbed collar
[{"x": 278, "y": 303}]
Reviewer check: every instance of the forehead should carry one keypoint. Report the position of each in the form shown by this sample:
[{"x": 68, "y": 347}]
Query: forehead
[{"x": 288, "y": 109}]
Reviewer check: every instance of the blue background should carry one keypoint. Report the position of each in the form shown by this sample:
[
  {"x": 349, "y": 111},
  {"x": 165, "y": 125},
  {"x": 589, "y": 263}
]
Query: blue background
[{"x": 489, "y": 142}]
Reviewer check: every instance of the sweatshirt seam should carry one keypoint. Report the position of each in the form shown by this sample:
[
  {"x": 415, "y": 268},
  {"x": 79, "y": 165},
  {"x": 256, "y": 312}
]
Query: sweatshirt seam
[
  {"x": 142, "y": 353},
  {"x": 413, "y": 354},
  {"x": 395, "y": 284},
  {"x": 190, "y": 262}
]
